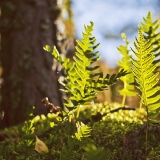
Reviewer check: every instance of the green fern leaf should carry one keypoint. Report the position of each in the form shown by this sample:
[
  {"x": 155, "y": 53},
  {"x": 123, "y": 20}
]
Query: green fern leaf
[
  {"x": 83, "y": 131},
  {"x": 144, "y": 71}
]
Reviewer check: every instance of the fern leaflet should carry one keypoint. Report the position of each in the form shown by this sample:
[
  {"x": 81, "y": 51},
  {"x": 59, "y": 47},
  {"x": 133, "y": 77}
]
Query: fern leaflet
[{"x": 83, "y": 131}]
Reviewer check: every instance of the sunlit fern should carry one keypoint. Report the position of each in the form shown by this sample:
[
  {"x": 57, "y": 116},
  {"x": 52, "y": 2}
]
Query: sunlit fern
[
  {"x": 125, "y": 64},
  {"x": 143, "y": 70},
  {"x": 83, "y": 131},
  {"x": 150, "y": 30},
  {"x": 81, "y": 85}
]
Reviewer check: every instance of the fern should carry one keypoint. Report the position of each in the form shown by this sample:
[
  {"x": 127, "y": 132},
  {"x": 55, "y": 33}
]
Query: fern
[
  {"x": 150, "y": 30},
  {"x": 143, "y": 70},
  {"x": 125, "y": 64},
  {"x": 81, "y": 85},
  {"x": 28, "y": 130},
  {"x": 79, "y": 140},
  {"x": 82, "y": 131}
]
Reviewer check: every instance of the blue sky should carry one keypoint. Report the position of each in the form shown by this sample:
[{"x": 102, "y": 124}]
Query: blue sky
[{"x": 111, "y": 18}]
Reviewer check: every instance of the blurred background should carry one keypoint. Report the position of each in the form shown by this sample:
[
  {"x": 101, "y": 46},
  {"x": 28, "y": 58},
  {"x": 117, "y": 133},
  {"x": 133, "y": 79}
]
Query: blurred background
[
  {"x": 28, "y": 73},
  {"x": 111, "y": 18}
]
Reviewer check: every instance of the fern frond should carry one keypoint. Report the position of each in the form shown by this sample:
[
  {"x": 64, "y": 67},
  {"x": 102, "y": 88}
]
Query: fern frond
[
  {"x": 125, "y": 64},
  {"x": 81, "y": 86},
  {"x": 144, "y": 72},
  {"x": 150, "y": 30}
]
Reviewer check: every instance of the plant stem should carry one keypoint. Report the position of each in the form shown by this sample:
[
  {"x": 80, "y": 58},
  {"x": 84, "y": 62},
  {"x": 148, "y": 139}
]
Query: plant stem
[
  {"x": 140, "y": 106},
  {"x": 78, "y": 110},
  {"x": 146, "y": 134},
  {"x": 70, "y": 118},
  {"x": 123, "y": 100}
]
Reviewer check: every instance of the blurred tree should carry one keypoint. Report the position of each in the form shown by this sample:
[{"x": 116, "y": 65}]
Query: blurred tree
[
  {"x": 69, "y": 28},
  {"x": 28, "y": 73}
]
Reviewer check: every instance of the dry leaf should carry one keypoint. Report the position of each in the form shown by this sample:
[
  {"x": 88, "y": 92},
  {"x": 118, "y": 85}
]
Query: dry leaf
[{"x": 40, "y": 146}]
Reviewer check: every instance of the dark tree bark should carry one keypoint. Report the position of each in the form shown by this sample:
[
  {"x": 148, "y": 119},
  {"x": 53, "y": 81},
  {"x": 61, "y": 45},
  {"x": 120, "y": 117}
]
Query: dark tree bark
[{"x": 26, "y": 26}]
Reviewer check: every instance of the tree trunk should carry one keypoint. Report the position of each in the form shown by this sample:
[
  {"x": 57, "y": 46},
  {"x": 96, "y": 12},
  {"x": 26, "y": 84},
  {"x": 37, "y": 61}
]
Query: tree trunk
[{"x": 26, "y": 26}]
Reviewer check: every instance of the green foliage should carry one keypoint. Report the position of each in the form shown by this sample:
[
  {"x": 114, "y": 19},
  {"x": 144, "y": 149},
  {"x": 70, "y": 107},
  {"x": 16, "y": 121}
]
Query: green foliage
[
  {"x": 27, "y": 142},
  {"x": 150, "y": 30},
  {"x": 125, "y": 64},
  {"x": 104, "y": 139},
  {"x": 82, "y": 131},
  {"x": 94, "y": 153},
  {"x": 68, "y": 152},
  {"x": 28, "y": 127},
  {"x": 79, "y": 140},
  {"x": 143, "y": 70},
  {"x": 81, "y": 85}
]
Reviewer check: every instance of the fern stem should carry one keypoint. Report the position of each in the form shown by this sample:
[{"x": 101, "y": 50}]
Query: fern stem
[
  {"x": 123, "y": 100},
  {"x": 78, "y": 110},
  {"x": 70, "y": 118},
  {"x": 146, "y": 134},
  {"x": 146, "y": 140},
  {"x": 140, "y": 106}
]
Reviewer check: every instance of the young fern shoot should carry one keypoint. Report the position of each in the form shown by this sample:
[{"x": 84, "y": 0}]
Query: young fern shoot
[{"x": 125, "y": 64}]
